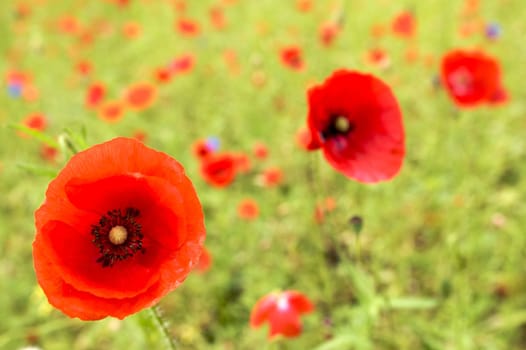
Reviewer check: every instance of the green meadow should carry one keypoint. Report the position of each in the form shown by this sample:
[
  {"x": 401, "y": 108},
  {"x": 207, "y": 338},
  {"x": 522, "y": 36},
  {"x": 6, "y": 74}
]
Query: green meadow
[{"x": 439, "y": 262}]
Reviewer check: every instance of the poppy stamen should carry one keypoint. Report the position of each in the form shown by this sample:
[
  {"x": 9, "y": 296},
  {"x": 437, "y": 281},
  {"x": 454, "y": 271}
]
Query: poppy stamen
[
  {"x": 118, "y": 236},
  {"x": 339, "y": 125}
]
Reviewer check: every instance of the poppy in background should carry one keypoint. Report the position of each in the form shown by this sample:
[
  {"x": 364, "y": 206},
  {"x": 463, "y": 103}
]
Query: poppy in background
[
  {"x": 272, "y": 176},
  {"x": 404, "y": 25},
  {"x": 121, "y": 226},
  {"x": 472, "y": 78},
  {"x": 36, "y": 121},
  {"x": 187, "y": 27},
  {"x": 217, "y": 17},
  {"x": 84, "y": 68},
  {"x": 140, "y": 96},
  {"x": 182, "y": 64},
  {"x": 248, "y": 209},
  {"x": 282, "y": 310},
  {"x": 111, "y": 111},
  {"x": 260, "y": 150},
  {"x": 355, "y": 119},
  {"x": 131, "y": 30},
  {"x": 95, "y": 95},
  {"x": 328, "y": 32},
  {"x": 219, "y": 169},
  {"x": 48, "y": 153},
  {"x": 291, "y": 57}
]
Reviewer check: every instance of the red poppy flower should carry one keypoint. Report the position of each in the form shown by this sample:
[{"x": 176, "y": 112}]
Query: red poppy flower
[
  {"x": 378, "y": 57},
  {"x": 121, "y": 226},
  {"x": 356, "y": 120},
  {"x": 48, "y": 153},
  {"x": 260, "y": 150},
  {"x": 472, "y": 78},
  {"x": 163, "y": 75},
  {"x": 187, "y": 27},
  {"x": 111, "y": 111},
  {"x": 272, "y": 176},
  {"x": 217, "y": 17},
  {"x": 291, "y": 57},
  {"x": 36, "y": 121},
  {"x": 243, "y": 164},
  {"x": 182, "y": 64},
  {"x": 140, "y": 96},
  {"x": 131, "y": 30},
  {"x": 95, "y": 95},
  {"x": 282, "y": 311},
  {"x": 304, "y": 5},
  {"x": 219, "y": 169},
  {"x": 328, "y": 32},
  {"x": 84, "y": 67},
  {"x": 404, "y": 25},
  {"x": 248, "y": 209}
]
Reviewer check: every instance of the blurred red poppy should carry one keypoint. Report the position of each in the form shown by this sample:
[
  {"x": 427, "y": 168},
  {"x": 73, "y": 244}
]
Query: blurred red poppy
[
  {"x": 183, "y": 63},
  {"x": 36, "y": 121},
  {"x": 404, "y": 24},
  {"x": 48, "y": 153},
  {"x": 131, "y": 30},
  {"x": 282, "y": 310},
  {"x": 140, "y": 96},
  {"x": 111, "y": 111},
  {"x": 328, "y": 32},
  {"x": 248, "y": 209},
  {"x": 472, "y": 78},
  {"x": 291, "y": 57},
  {"x": 84, "y": 67},
  {"x": 378, "y": 57},
  {"x": 272, "y": 176},
  {"x": 217, "y": 17},
  {"x": 121, "y": 226},
  {"x": 95, "y": 95},
  {"x": 201, "y": 149},
  {"x": 260, "y": 150},
  {"x": 163, "y": 75},
  {"x": 187, "y": 27},
  {"x": 219, "y": 169},
  {"x": 356, "y": 120}
]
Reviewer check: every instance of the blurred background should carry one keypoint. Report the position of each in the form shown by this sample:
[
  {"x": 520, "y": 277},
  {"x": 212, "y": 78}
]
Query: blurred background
[{"x": 439, "y": 261}]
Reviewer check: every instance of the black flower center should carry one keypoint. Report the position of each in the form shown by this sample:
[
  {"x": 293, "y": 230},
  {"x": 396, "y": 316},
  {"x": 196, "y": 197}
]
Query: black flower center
[
  {"x": 118, "y": 236},
  {"x": 338, "y": 125}
]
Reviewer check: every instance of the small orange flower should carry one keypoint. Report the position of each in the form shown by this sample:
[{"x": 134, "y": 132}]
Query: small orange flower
[
  {"x": 48, "y": 153},
  {"x": 260, "y": 150},
  {"x": 187, "y": 27},
  {"x": 121, "y": 226},
  {"x": 111, "y": 111},
  {"x": 36, "y": 121},
  {"x": 217, "y": 17},
  {"x": 291, "y": 57},
  {"x": 272, "y": 177},
  {"x": 404, "y": 25},
  {"x": 140, "y": 96},
  {"x": 328, "y": 32},
  {"x": 219, "y": 169},
  {"x": 248, "y": 209},
  {"x": 131, "y": 30},
  {"x": 95, "y": 95}
]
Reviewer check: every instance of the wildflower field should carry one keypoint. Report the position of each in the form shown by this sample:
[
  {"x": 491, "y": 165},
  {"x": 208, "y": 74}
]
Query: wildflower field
[{"x": 235, "y": 174}]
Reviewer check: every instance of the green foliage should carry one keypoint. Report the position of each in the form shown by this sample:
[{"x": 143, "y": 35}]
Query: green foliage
[{"x": 439, "y": 260}]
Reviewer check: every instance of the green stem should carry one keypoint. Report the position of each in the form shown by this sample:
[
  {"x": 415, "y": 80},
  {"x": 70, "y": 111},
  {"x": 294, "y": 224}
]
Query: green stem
[{"x": 161, "y": 327}]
